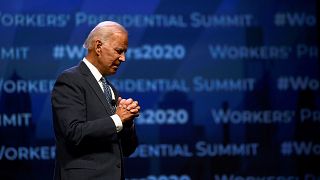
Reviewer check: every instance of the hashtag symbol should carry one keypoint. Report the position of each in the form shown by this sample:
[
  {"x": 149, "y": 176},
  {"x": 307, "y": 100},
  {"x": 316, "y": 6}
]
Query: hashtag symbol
[
  {"x": 280, "y": 19},
  {"x": 283, "y": 83},
  {"x": 286, "y": 148},
  {"x": 58, "y": 52}
]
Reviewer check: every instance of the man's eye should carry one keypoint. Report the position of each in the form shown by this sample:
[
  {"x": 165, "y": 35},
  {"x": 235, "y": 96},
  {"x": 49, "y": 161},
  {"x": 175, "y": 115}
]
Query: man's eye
[{"x": 119, "y": 51}]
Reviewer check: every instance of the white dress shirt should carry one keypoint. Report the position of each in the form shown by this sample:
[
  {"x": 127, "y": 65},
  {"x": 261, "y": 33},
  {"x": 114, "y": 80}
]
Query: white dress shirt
[{"x": 97, "y": 75}]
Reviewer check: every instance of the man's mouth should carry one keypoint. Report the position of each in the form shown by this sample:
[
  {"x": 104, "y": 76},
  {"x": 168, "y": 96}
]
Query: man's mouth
[{"x": 116, "y": 65}]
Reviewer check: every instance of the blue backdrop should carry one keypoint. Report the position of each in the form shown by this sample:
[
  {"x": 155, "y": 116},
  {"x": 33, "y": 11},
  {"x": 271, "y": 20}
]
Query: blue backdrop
[{"x": 229, "y": 89}]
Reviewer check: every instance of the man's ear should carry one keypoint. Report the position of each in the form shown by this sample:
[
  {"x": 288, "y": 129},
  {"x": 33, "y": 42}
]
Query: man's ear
[{"x": 98, "y": 45}]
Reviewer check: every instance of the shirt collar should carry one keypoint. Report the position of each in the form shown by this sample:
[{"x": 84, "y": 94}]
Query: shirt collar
[{"x": 97, "y": 75}]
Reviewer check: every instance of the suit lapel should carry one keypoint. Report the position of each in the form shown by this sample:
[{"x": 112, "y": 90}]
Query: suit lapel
[{"x": 94, "y": 85}]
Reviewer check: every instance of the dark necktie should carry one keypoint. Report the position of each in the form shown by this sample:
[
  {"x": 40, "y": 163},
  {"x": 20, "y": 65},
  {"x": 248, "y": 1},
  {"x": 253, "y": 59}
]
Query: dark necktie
[{"x": 107, "y": 93}]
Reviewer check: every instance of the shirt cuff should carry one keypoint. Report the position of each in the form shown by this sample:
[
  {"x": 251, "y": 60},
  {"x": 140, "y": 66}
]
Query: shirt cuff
[{"x": 117, "y": 121}]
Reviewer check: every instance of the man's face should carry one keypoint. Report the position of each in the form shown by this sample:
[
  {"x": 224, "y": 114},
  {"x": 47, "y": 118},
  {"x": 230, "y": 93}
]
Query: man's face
[{"x": 113, "y": 53}]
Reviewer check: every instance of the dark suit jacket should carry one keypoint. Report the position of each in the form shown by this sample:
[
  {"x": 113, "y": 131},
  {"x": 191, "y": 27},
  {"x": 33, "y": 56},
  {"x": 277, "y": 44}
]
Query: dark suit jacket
[{"x": 88, "y": 146}]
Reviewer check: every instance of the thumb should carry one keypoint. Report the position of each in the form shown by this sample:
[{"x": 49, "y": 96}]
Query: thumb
[{"x": 119, "y": 99}]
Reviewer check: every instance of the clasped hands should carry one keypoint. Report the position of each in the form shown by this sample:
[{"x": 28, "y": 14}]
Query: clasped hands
[{"x": 127, "y": 110}]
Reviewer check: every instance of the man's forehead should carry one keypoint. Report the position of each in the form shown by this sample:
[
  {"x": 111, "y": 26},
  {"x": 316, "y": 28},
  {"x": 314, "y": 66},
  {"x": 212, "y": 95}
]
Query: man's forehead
[{"x": 118, "y": 39}]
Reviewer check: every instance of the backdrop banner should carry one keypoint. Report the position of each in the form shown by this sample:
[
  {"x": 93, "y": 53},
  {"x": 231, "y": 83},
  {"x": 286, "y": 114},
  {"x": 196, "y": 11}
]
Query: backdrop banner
[{"x": 229, "y": 89}]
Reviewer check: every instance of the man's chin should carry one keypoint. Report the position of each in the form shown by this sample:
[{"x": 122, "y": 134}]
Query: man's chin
[{"x": 112, "y": 72}]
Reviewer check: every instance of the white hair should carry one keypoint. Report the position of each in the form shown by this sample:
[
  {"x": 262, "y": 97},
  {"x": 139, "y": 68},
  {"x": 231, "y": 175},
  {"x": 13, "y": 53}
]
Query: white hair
[{"x": 102, "y": 32}]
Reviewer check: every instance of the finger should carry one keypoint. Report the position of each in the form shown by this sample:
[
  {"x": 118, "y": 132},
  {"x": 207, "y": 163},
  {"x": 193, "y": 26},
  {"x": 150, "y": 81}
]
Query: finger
[
  {"x": 129, "y": 101},
  {"x": 122, "y": 101},
  {"x": 118, "y": 101},
  {"x": 132, "y": 106},
  {"x": 134, "y": 111},
  {"x": 137, "y": 109},
  {"x": 134, "y": 103}
]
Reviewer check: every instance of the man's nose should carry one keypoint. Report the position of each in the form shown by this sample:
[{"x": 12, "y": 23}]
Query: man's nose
[{"x": 122, "y": 57}]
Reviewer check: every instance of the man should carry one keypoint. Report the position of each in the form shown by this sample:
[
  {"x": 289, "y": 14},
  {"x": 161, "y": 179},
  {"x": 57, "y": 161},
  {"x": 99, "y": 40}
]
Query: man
[{"x": 93, "y": 126}]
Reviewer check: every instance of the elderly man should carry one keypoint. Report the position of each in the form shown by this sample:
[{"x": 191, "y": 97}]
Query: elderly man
[{"x": 93, "y": 126}]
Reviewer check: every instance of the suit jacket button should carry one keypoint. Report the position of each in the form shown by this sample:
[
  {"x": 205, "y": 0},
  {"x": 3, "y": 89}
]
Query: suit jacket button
[{"x": 118, "y": 165}]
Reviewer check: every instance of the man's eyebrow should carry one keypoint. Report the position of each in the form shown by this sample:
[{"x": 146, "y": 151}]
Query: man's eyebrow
[{"x": 120, "y": 49}]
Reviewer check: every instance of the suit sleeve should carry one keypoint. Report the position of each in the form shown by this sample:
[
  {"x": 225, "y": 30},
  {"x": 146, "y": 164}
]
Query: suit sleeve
[
  {"x": 69, "y": 112},
  {"x": 128, "y": 136},
  {"x": 129, "y": 140}
]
